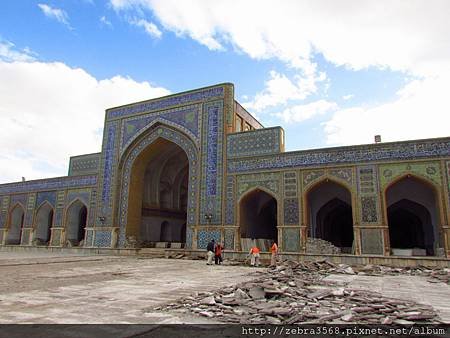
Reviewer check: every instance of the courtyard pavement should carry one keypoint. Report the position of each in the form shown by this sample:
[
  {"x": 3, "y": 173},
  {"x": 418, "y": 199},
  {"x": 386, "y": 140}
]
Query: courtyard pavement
[{"x": 71, "y": 289}]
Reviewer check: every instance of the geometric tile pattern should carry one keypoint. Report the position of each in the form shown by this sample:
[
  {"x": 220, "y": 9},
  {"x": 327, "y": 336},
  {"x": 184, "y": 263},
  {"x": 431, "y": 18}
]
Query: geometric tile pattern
[
  {"x": 229, "y": 239},
  {"x": 102, "y": 238},
  {"x": 291, "y": 239},
  {"x": 354, "y": 154},
  {"x": 49, "y": 184},
  {"x": 108, "y": 164},
  {"x": 290, "y": 184},
  {"x": 186, "y": 119},
  {"x": 89, "y": 238},
  {"x": 189, "y": 237},
  {"x": 83, "y": 195},
  {"x": 254, "y": 143},
  {"x": 291, "y": 211},
  {"x": 164, "y": 103},
  {"x": 230, "y": 201},
  {"x": 212, "y": 157},
  {"x": 179, "y": 139},
  {"x": 204, "y": 236},
  {"x": 270, "y": 181},
  {"x": 368, "y": 191},
  {"x": 369, "y": 209},
  {"x": 429, "y": 170},
  {"x": 84, "y": 164},
  {"x": 49, "y": 196}
]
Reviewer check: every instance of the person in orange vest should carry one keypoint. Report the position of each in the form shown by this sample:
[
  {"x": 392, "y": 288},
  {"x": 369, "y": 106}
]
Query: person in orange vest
[
  {"x": 254, "y": 254},
  {"x": 218, "y": 254},
  {"x": 274, "y": 251}
]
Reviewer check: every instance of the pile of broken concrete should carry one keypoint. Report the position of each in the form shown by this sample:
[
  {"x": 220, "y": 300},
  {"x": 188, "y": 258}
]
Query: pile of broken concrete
[{"x": 294, "y": 293}]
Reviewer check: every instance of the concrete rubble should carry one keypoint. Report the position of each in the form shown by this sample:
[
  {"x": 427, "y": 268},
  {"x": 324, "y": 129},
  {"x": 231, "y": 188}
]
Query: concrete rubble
[{"x": 295, "y": 293}]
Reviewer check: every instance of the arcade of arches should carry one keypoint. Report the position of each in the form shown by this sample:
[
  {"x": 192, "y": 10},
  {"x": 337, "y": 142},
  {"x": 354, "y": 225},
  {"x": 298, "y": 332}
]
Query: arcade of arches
[{"x": 158, "y": 196}]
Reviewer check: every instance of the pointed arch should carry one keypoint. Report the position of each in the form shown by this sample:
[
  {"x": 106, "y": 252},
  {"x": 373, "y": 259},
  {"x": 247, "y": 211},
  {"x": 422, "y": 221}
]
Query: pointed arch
[
  {"x": 258, "y": 214},
  {"x": 76, "y": 221},
  {"x": 15, "y": 224},
  {"x": 329, "y": 213},
  {"x": 131, "y": 172},
  {"x": 413, "y": 214},
  {"x": 43, "y": 223}
]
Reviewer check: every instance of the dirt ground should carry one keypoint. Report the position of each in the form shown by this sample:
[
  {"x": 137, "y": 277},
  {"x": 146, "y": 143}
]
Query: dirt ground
[{"x": 61, "y": 288}]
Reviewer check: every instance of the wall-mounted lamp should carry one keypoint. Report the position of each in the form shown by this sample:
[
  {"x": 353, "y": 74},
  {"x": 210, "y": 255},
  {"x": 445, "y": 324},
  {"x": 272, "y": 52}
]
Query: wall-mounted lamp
[
  {"x": 102, "y": 219},
  {"x": 208, "y": 218}
]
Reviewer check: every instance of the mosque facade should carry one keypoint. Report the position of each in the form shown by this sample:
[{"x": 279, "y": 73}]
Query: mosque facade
[{"x": 180, "y": 170}]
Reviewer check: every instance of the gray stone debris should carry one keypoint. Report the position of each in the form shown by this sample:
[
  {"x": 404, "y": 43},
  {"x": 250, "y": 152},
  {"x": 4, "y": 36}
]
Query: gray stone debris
[{"x": 295, "y": 293}]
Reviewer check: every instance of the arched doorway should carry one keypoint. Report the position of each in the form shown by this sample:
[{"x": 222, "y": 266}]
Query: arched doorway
[
  {"x": 330, "y": 216},
  {"x": 158, "y": 194},
  {"x": 258, "y": 219},
  {"x": 413, "y": 217},
  {"x": 76, "y": 222},
  {"x": 44, "y": 222},
  {"x": 15, "y": 225}
]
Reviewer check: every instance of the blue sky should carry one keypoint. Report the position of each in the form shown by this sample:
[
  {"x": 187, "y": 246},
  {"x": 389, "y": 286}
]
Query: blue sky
[{"x": 329, "y": 73}]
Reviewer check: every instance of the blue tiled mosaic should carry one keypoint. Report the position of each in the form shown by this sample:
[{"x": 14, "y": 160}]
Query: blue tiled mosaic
[
  {"x": 254, "y": 143},
  {"x": 109, "y": 153},
  {"x": 211, "y": 191},
  {"x": 189, "y": 237},
  {"x": 83, "y": 196},
  {"x": 185, "y": 118},
  {"x": 230, "y": 201},
  {"x": 204, "y": 236},
  {"x": 229, "y": 239},
  {"x": 103, "y": 239},
  {"x": 354, "y": 154},
  {"x": 164, "y": 103},
  {"x": 49, "y": 184},
  {"x": 49, "y": 196}
]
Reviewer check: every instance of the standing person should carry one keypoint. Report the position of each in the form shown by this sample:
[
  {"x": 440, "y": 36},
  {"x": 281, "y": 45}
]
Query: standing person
[
  {"x": 210, "y": 251},
  {"x": 218, "y": 257},
  {"x": 254, "y": 253},
  {"x": 274, "y": 251}
]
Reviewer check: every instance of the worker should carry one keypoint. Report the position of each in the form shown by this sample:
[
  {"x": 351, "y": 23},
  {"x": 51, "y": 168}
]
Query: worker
[
  {"x": 254, "y": 254},
  {"x": 218, "y": 254},
  {"x": 274, "y": 251},
  {"x": 210, "y": 249}
]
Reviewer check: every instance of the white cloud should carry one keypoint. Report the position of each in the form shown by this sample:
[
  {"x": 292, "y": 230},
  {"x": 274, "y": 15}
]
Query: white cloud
[
  {"x": 421, "y": 110},
  {"x": 408, "y": 36},
  {"x": 300, "y": 113},
  {"x": 403, "y": 35},
  {"x": 55, "y": 13},
  {"x": 149, "y": 27},
  {"x": 105, "y": 21},
  {"x": 279, "y": 90},
  {"x": 51, "y": 112},
  {"x": 9, "y": 53},
  {"x": 348, "y": 97}
]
